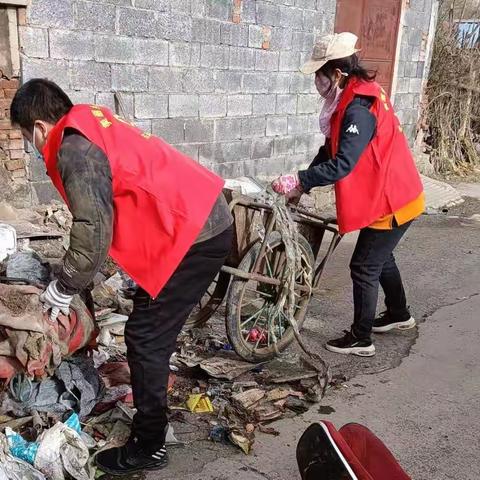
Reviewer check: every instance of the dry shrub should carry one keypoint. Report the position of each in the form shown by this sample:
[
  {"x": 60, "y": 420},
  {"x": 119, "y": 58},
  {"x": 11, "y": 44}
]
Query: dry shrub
[{"x": 453, "y": 94}]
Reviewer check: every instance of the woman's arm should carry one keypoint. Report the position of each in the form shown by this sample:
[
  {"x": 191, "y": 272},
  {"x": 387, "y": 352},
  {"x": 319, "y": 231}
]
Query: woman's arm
[
  {"x": 358, "y": 129},
  {"x": 322, "y": 156}
]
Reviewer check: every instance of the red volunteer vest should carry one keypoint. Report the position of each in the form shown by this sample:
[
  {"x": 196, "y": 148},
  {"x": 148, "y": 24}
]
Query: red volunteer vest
[
  {"x": 162, "y": 198},
  {"x": 385, "y": 179}
]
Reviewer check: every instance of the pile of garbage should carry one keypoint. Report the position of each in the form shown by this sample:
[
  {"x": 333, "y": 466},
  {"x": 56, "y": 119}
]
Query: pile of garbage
[
  {"x": 31, "y": 249},
  {"x": 241, "y": 397},
  {"x": 67, "y": 395}
]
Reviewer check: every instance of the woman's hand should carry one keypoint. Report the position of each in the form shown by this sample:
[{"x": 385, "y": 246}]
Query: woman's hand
[
  {"x": 294, "y": 197},
  {"x": 286, "y": 184}
]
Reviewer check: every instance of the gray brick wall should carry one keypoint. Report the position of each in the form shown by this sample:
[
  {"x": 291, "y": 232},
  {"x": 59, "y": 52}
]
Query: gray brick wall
[
  {"x": 219, "y": 82},
  {"x": 224, "y": 89},
  {"x": 413, "y": 63}
]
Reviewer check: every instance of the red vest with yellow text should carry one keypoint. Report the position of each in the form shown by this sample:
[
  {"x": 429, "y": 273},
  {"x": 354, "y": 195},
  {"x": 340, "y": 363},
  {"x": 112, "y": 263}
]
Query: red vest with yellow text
[
  {"x": 385, "y": 178},
  {"x": 161, "y": 198}
]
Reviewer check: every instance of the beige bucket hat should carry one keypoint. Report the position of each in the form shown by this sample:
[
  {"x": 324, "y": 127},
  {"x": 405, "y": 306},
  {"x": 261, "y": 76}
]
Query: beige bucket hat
[{"x": 330, "y": 47}]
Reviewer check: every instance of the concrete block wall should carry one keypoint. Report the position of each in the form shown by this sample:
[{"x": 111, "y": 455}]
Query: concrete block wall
[
  {"x": 217, "y": 78},
  {"x": 416, "y": 38}
]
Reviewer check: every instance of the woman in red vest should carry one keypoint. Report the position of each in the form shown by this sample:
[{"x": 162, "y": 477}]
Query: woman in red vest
[
  {"x": 160, "y": 215},
  {"x": 377, "y": 186}
]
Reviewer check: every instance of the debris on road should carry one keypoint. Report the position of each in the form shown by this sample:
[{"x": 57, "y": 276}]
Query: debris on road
[
  {"x": 28, "y": 266},
  {"x": 58, "y": 453},
  {"x": 45, "y": 378},
  {"x": 74, "y": 386},
  {"x": 199, "y": 403},
  {"x": 29, "y": 341},
  {"x": 248, "y": 399},
  {"x": 243, "y": 442}
]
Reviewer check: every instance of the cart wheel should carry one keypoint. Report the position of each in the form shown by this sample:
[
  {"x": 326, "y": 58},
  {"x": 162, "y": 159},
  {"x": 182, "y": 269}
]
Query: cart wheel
[
  {"x": 209, "y": 303},
  {"x": 253, "y": 326}
]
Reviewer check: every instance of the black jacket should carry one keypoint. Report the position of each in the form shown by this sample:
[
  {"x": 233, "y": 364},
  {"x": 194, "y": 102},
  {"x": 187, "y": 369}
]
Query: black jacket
[{"x": 358, "y": 129}]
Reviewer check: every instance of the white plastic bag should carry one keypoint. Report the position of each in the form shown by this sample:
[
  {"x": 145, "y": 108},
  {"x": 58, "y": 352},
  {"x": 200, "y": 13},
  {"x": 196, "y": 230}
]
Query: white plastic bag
[
  {"x": 244, "y": 185},
  {"x": 62, "y": 451},
  {"x": 58, "y": 453},
  {"x": 8, "y": 241},
  {"x": 12, "y": 468}
]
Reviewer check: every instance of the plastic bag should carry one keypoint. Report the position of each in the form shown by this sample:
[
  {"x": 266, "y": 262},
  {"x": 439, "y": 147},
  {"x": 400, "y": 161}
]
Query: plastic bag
[
  {"x": 8, "y": 241},
  {"x": 12, "y": 468},
  {"x": 59, "y": 451}
]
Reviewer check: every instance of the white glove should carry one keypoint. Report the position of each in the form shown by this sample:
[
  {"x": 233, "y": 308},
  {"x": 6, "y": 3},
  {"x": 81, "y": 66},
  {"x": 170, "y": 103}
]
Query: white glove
[{"x": 55, "y": 301}]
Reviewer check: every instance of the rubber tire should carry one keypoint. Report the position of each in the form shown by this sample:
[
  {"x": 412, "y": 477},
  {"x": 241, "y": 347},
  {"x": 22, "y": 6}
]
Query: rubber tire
[{"x": 234, "y": 295}]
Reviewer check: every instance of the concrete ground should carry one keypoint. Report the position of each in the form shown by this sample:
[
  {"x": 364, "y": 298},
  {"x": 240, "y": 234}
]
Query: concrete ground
[{"x": 420, "y": 394}]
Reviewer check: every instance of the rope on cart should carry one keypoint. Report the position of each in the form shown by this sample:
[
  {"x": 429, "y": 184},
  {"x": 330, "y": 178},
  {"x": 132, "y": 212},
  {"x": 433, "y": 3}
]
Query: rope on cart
[{"x": 296, "y": 266}]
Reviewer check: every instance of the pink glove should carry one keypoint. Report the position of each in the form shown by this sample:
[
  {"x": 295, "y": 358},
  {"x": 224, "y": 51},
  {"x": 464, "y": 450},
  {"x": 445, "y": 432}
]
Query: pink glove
[{"x": 286, "y": 184}]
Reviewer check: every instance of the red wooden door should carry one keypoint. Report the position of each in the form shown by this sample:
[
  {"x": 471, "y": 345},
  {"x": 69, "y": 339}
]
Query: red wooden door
[{"x": 376, "y": 22}]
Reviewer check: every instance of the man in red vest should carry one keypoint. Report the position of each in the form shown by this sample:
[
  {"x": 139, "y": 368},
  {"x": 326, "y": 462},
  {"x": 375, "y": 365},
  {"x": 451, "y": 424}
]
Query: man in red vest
[
  {"x": 377, "y": 186},
  {"x": 161, "y": 216}
]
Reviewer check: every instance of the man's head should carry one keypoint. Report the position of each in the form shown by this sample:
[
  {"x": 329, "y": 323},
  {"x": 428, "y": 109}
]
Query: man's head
[{"x": 37, "y": 106}]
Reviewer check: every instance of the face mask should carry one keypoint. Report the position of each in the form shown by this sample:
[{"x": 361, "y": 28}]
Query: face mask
[
  {"x": 323, "y": 84},
  {"x": 36, "y": 151},
  {"x": 332, "y": 95}
]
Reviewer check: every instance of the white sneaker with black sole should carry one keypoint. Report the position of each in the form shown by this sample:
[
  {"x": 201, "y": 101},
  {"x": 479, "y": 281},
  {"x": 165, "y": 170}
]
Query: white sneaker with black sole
[
  {"x": 385, "y": 324},
  {"x": 351, "y": 345}
]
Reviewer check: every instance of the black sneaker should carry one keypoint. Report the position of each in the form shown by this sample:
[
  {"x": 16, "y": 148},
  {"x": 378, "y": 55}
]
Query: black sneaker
[
  {"x": 131, "y": 458},
  {"x": 351, "y": 345},
  {"x": 384, "y": 323}
]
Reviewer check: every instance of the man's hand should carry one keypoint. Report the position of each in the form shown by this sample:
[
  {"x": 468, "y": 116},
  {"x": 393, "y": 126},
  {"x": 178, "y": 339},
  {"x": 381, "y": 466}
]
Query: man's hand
[{"x": 55, "y": 301}]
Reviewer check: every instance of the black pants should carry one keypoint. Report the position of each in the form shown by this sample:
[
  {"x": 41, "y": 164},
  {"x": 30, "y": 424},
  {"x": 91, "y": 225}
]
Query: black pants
[
  {"x": 152, "y": 330},
  {"x": 372, "y": 264}
]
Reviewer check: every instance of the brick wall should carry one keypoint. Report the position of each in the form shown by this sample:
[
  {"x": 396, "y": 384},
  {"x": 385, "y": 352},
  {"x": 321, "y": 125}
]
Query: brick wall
[
  {"x": 14, "y": 186},
  {"x": 414, "y": 61},
  {"x": 217, "y": 78},
  {"x": 11, "y": 143}
]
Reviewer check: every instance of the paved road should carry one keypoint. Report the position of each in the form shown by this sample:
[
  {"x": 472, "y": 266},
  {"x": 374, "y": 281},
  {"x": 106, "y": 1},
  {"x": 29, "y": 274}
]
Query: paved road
[{"x": 421, "y": 393}]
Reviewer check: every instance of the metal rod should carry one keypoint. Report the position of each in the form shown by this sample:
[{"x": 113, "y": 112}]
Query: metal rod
[
  {"x": 256, "y": 314},
  {"x": 319, "y": 271},
  {"x": 262, "y": 294},
  {"x": 256, "y": 277},
  {"x": 307, "y": 213},
  {"x": 263, "y": 247},
  {"x": 250, "y": 276}
]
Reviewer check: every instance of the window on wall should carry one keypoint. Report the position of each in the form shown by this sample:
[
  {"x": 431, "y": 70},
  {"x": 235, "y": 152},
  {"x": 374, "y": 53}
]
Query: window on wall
[{"x": 468, "y": 33}]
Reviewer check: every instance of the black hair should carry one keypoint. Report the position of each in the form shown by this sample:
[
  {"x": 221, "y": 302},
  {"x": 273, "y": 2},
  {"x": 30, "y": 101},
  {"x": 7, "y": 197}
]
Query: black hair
[
  {"x": 39, "y": 99},
  {"x": 350, "y": 65}
]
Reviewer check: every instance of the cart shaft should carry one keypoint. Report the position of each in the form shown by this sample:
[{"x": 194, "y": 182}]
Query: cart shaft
[{"x": 256, "y": 277}]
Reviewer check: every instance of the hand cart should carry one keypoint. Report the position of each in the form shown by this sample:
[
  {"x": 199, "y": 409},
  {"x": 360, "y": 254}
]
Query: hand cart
[{"x": 252, "y": 277}]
